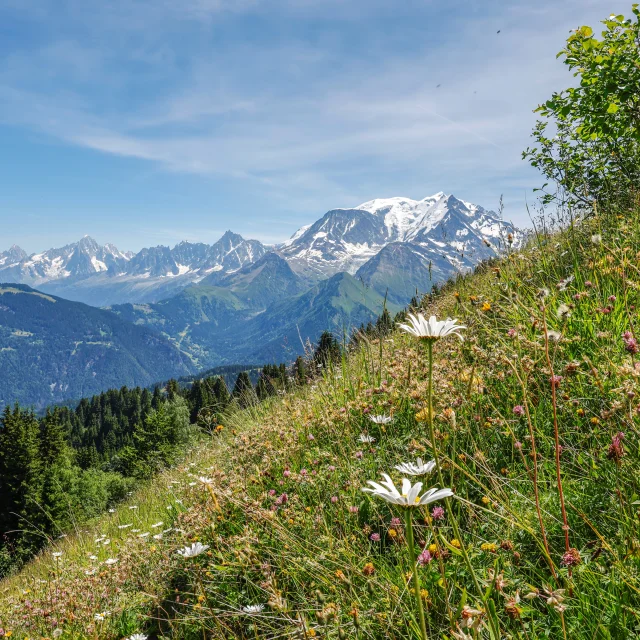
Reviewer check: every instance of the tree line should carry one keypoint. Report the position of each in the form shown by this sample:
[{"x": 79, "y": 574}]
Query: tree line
[{"x": 71, "y": 464}]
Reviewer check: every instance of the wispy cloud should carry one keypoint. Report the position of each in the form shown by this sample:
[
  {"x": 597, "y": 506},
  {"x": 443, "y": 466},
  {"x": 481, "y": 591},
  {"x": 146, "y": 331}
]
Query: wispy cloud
[{"x": 311, "y": 104}]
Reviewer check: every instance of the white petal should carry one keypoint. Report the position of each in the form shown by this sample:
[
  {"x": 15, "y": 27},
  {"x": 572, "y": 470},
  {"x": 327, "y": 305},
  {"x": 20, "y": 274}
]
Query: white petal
[{"x": 413, "y": 494}]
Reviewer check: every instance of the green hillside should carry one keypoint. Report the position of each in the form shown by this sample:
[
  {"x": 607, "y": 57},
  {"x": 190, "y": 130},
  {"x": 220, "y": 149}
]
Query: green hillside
[
  {"x": 277, "y": 537},
  {"x": 524, "y": 412},
  {"x": 52, "y": 350},
  {"x": 255, "y": 318}
]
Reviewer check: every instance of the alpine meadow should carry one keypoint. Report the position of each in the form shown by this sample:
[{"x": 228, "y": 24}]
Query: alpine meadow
[{"x": 414, "y": 419}]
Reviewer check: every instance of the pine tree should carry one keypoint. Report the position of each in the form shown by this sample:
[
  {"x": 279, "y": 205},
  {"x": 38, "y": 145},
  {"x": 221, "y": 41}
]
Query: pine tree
[
  {"x": 173, "y": 389},
  {"x": 53, "y": 438},
  {"x": 156, "y": 401},
  {"x": 145, "y": 404},
  {"x": 300, "y": 371},
  {"x": 243, "y": 390},
  {"x": 262, "y": 392},
  {"x": 20, "y": 473},
  {"x": 384, "y": 324},
  {"x": 327, "y": 351},
  {"x": 221, "y": 394}
]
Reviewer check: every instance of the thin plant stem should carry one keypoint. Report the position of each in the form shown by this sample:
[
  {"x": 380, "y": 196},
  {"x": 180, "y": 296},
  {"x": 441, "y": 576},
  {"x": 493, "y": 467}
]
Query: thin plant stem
[
  {"x": 534, "y": 475},
  {"x": 556, "y": 432},
  {"x": 436, "y": 458},
  {"x": 414, "y": 573}
]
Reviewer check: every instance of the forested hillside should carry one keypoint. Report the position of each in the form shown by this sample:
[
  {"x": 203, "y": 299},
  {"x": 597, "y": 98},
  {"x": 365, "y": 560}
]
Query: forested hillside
[
  {"x": 72, "y": 464},
  {"x": 53, "y": 350}
]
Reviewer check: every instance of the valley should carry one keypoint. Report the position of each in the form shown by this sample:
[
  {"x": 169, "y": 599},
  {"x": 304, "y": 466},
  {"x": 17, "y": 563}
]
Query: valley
[{"x": 236, "y": 301}]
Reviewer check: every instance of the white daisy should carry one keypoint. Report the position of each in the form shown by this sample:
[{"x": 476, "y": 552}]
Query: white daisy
[
  {"x": 417, "y": 468},
  {"x": 431, "y": 329},
  {"x": 194, "y": 550},
  {"x": 381, "y": 419},
  {"x": 410, "y": 496},
  {"x": 253, "y": 608},
  {"x": 366, "y": 438}
]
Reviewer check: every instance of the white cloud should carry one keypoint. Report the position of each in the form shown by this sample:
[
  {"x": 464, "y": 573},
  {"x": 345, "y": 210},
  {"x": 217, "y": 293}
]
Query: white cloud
[{"x": 307, "y": 118}]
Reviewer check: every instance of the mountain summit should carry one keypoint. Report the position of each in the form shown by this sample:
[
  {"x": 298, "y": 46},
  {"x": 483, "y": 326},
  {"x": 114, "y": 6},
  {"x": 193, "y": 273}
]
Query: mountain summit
[{"x": 344, "y": 239}]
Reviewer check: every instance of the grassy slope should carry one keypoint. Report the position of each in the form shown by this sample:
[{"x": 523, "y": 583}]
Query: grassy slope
[{"x": 311, "y": 561}]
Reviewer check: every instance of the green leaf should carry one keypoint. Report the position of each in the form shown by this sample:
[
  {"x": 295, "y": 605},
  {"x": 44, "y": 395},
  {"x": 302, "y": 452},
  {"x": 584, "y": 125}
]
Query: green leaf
[
  {"x": 463, "y": 601},
  {"x": 612, "y": 108},
  {"x": 586, "y": 31}
]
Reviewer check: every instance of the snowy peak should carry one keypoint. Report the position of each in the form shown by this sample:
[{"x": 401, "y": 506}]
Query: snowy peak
[
  {"x": 12, "y": 256},
  {"x": 296, "y": 235},
  {"x": 403, "y": 215},
  {"x": 344, "y": 239},
  {"x": 79, "y": 261}
]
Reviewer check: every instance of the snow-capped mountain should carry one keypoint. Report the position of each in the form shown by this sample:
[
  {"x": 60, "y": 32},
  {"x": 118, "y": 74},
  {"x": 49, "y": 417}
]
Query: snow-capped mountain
[
  {"x": 239, "y": 301},
  {"x": 79, "y": 259},
  {"x": 12, "y": 256},
  {"x": 397, "y": 244},
  {"x": 101, "y": 275},
  {"x": 459, "y": 232},
  {"x": 228, "y": 254}
]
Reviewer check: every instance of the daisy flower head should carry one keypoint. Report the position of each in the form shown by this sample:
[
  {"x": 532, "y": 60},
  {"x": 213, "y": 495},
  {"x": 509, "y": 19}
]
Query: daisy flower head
[
  {"x": 409, "y": 497},
  {"x": 417, "y": 468},
  {"x": 194, "y": 550},
  {"x": 253, "y": 608},
  {"x": 431, "y": 329}
]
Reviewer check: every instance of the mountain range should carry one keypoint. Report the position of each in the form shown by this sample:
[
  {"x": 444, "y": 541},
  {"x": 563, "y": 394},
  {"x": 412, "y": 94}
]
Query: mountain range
[
  {"x": 239, "y": 301},
  {"x": 101, "y": 275},
  {"x": 440, "y": 233}
]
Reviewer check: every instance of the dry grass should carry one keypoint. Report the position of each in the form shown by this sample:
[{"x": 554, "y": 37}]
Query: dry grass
[{"x": 288, "y": 528}]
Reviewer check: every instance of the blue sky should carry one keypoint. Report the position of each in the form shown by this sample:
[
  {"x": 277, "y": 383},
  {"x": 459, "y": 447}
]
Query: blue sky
[{"x": 144, "y": 122}]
